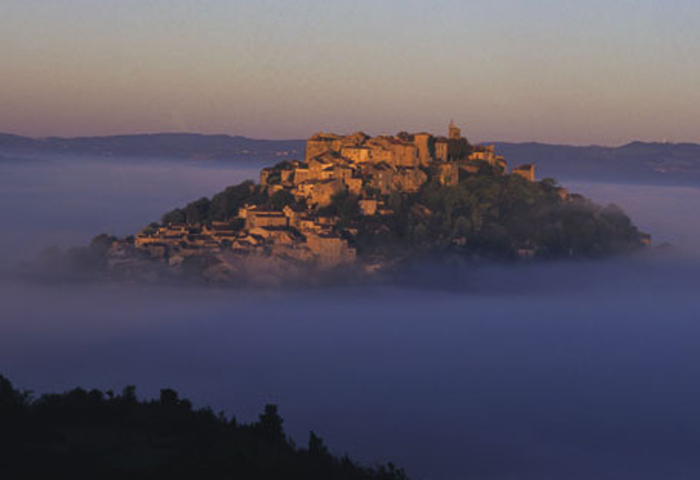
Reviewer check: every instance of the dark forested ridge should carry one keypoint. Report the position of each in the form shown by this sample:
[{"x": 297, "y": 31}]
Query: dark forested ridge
[{"x": 102, "y": 435}]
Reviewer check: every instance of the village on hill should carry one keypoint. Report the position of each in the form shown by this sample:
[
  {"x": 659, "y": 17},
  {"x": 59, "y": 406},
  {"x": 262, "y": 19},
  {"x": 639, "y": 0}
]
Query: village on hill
[
  {"x": 299, "y": 228},
  {"x": 361, "y": 205}
]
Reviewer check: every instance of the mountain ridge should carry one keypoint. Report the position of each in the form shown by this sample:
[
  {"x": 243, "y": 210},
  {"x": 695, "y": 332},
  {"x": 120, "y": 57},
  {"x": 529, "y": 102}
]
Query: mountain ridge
[
  {"x": 655, "y": 162},
  {"x": 176, "y": 145},
  {"x": 256, "y": 139}
]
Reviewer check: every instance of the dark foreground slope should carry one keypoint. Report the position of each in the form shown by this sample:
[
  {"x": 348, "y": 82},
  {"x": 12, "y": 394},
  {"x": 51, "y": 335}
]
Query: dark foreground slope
[{"x": 94, "y": 434}]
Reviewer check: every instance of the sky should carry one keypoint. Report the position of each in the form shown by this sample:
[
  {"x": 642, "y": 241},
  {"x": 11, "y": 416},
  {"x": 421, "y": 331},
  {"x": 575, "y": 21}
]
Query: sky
[{"x": 559, "y": 71}]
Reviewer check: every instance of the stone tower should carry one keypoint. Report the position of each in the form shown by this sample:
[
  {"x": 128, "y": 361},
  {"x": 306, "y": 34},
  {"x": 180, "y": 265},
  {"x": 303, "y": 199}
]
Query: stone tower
[
  {"x": 422, "y": 142},
  {"x": 454, "y": 132}
]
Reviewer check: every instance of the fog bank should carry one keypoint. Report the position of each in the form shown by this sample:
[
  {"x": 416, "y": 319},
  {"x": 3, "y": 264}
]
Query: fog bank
[
  {"x": 67, "y": 201},
  {"x": 537, "y": 371},
  {"x": 593, "y": 379}
]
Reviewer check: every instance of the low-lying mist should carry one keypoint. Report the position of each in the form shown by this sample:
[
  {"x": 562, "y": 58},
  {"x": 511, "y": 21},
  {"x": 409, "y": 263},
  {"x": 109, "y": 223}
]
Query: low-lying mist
[
  {"x": 535, "y": 371},
  {"x": 561, "y": 371},
  {"x": 669, "y": 213},
  {"x": 65, "y": 202}
]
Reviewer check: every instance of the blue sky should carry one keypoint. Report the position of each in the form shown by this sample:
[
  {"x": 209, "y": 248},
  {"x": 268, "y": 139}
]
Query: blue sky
[{"x": 555, "y": 71}]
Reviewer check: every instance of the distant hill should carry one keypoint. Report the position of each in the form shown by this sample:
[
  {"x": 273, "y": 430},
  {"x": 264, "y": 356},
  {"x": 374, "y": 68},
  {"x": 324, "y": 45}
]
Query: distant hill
[
  {"x": 634, "y": 162},
  {"x": 666, "y": 163},
  {"x": 164, "y": 145}
]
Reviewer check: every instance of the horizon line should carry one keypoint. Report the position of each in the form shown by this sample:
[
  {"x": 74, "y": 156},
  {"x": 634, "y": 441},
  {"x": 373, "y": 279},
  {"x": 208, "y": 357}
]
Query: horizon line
[{"x": 156, "y": 133}]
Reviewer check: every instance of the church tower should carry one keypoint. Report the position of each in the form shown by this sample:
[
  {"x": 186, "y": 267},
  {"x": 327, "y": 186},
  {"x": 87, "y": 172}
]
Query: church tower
[{"x": 454, "y": 132}]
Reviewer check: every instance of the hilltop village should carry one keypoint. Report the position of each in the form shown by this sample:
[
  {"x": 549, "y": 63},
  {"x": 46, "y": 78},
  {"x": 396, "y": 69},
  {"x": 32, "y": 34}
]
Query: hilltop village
[
  {"x": 360, "y": 202},
  {"x": 365, "y": 168}
]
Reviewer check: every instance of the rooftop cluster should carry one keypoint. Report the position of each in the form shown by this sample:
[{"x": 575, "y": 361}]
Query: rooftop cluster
[{"x": 289, "y": 218}]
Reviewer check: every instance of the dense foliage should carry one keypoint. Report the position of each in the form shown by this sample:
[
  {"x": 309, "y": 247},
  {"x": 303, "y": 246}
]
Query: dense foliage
[
  {"x": 93, "y": 434},
  {"x": 494, "y": 216},
  {"x": 224, "y": 205}
]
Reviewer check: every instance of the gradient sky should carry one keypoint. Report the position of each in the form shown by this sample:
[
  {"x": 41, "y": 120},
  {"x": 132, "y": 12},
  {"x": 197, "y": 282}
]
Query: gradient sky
[{"x": 599, "y": 71}]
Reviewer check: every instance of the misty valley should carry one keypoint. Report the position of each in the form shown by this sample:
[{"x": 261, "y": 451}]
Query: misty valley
[
  {"x": 350, "y": 240},
  {"x": 564, "y": 369}
]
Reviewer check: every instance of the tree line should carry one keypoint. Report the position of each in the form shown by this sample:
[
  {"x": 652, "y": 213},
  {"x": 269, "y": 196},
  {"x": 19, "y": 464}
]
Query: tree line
[{"x": 107, "y": 435}]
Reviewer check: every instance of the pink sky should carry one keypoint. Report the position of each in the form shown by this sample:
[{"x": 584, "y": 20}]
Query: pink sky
[{"x": 552, "y": 71}]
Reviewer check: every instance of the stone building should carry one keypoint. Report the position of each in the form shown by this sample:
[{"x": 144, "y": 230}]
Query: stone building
[
  {"x": 526, "y": 171},
  {"x": 330, "y": 250},
  {"x": 441, "y": 149},
  {"x": 318, "y": 193},
  {"x": 487, "y": 154},
  {"x": 408, "y": 180},
  {"x": 257, "y": 217},
  {"x": 380, "y": 177},
  {"x": 357, "y": 154},
  {"x": 321, "y": 143},
  {"x": 425, "y": 144}
]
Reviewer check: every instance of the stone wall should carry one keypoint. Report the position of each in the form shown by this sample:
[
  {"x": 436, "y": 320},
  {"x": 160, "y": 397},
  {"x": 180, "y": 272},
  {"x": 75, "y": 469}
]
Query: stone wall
[{"x": 525, "y": 171}]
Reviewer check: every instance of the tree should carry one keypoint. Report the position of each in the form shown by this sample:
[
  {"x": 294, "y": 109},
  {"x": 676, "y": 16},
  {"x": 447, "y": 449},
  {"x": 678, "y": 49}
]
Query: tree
[
  {"x": 150, "y": 228},
  {"x": 174, "y": 217},
  {"x": 395, "y": 201},
  {"x": 101, "y": 244},
  {"x": 316, "y": 446},
  {"x": 197, "y": 211},
  {"x": 9, "y": 397},
  {"x": 225, "y": 205},
  {"x": 89, "y": 434},
  {"x": 169, "y": 398},
  {"x": 462, "y": 227},
  {"x": 128, "y": 395},
  {"x": 270, "y": 424},
  {"x": 280, "y": 199}
]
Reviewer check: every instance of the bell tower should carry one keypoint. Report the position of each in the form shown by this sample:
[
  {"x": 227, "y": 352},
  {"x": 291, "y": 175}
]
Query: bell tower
[{"x": 454, "y": 132}]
